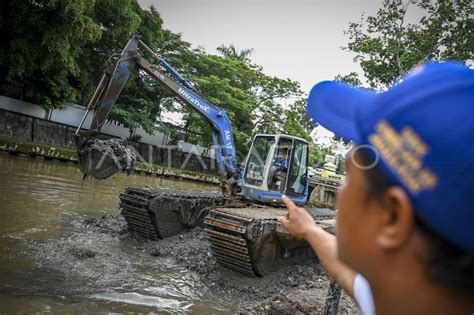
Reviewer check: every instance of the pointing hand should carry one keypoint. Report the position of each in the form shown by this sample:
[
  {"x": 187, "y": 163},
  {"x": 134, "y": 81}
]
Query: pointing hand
[{"x": 297, "y": 221}]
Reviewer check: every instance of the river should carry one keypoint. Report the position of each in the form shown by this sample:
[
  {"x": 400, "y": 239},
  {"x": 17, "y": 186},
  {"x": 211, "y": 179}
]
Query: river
[{"x": 48, "y": 261}]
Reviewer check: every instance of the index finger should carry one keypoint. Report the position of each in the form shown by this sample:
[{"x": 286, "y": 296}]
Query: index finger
[{"x": 288, "y": 203}]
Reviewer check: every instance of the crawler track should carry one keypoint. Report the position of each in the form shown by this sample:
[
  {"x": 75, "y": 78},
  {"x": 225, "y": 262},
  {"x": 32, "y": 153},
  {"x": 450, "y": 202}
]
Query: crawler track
[
  {"x": 250, "y": 240},
  {"x": 161, "y": 213}
]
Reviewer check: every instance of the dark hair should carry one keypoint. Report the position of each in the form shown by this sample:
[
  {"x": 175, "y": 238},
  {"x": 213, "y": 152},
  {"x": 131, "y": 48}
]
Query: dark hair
[{"x": 447, "y": 263}]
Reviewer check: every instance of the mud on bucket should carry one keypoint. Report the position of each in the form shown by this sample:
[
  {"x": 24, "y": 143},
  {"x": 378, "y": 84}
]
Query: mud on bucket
[{"x": 103, "y": 158}]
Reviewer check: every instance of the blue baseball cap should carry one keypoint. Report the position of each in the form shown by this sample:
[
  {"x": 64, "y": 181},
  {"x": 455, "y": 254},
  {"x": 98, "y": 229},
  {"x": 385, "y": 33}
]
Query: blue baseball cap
[{"x": 421, "y": 131}]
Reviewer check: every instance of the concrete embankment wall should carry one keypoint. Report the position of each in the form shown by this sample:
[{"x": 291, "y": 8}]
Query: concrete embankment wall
[
  {"x": 34, "y": 130},
  {"x": 71, "y": 115}
]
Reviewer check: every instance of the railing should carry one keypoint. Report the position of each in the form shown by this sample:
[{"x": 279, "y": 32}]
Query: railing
[
  {"x": 27, "y": 95},
  {"x": 331, "y": 182}
]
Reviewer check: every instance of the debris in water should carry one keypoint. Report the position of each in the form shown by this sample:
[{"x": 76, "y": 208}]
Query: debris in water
[{"x": 82, "y": 253}]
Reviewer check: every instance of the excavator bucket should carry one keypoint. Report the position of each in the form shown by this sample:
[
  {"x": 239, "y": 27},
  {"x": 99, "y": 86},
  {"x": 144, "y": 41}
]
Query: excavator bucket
[{"x": 103, "y": 158}]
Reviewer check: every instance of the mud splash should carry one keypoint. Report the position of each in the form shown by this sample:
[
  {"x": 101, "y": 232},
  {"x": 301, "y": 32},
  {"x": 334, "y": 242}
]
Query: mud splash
[{"x": 106, "y": 263}]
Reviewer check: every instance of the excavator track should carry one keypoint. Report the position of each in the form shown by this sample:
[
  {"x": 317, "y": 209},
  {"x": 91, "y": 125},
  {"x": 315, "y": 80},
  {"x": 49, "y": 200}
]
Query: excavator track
[
  {"x": 251, "y": 241},
  {"x": 160, "y": 213}
]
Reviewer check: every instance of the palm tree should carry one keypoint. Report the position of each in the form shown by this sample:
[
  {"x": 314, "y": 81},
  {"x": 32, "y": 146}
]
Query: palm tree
[{"x": 232, "y": 52}]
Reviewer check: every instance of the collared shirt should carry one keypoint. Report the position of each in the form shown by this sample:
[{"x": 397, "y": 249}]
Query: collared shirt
[{"x": 281, "y": 162}]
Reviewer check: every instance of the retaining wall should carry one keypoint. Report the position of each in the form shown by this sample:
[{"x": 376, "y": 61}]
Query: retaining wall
[{"x": 38, "y": 130}]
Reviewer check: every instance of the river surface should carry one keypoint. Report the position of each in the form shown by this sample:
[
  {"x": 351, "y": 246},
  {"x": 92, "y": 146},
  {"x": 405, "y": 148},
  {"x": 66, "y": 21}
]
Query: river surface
[{"x": 51, "y": 263}]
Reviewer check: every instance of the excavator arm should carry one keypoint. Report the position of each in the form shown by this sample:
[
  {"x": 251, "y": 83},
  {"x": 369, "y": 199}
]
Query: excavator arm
[{"x": 114, "y": 80}]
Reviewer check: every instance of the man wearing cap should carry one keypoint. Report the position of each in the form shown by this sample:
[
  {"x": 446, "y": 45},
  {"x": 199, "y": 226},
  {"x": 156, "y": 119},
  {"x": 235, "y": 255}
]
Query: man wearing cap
[{"x": 404, "y": 240}]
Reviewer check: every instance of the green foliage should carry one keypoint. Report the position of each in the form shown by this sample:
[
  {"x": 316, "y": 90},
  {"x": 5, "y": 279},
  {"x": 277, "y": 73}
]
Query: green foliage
[
  {"x": 41, "y": 43},
  {"x": 351, "y": 78},
  {"x": 223, "y": 82},
  {"x": 143, "y": 100},
  {"x": 317, "y": 154},
  {"x": 293, "y": 127},
  {"x": 232, "y": 52},
  {"x": 132, "y": 112},
  {"x": 269, "y": 92},
  {"x": 59, "y": 49},
  {"x": 251, "y": 99},
  {"x": 387, "y": 46},
  {"x": 117, "y": 20}
]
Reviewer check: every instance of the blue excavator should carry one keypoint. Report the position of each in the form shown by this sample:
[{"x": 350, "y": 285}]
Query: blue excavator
[{"x": 240, "y": 223}]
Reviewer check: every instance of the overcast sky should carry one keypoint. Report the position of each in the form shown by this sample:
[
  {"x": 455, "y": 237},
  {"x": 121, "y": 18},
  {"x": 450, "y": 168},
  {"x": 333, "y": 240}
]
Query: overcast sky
[{"x": 296, "y": 39}]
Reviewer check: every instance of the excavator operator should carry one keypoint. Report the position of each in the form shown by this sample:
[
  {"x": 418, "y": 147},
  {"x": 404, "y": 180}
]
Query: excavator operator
[
  {"x": 281, "y": 159},
  {"x": 279, "y": 170}
]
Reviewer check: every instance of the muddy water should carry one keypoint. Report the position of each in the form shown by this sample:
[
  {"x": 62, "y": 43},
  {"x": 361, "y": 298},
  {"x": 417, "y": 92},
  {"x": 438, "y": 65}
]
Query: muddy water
[{"x": 51, "y": 261}]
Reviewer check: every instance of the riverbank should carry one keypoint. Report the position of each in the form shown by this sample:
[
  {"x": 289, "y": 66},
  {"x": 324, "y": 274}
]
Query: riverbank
[{"x": 38, "y": 150}]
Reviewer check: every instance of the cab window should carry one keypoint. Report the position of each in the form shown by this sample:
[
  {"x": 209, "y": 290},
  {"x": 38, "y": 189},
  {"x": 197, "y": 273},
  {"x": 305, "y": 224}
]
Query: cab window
[
  {"x": 296, "y": 183},
  {"x": 256, "y": 163}
]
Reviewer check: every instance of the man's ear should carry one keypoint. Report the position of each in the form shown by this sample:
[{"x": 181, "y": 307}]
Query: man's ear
[{"x": 397, "y": 221}]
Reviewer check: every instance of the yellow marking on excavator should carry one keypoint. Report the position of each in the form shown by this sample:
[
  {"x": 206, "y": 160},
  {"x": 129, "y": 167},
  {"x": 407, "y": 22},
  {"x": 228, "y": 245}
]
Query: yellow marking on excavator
[
  {"x": 226, "y": 225},
  {"x": 226, "y": 237}
]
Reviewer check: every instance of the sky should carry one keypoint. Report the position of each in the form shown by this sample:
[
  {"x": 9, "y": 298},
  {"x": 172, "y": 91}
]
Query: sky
[{"x": 296, "y": 39}]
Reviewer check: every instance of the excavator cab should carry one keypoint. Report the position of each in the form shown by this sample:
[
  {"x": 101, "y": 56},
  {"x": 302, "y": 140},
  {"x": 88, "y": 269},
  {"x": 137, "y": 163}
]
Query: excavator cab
[{"x": 276, "y": 165}]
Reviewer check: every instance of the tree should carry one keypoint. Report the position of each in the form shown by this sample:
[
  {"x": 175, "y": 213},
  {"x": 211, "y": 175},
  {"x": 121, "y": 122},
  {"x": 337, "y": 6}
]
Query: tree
[
  {"x": 387, "y": 45},
  {"x": 251, "y": 99},
  {"x": 351, "y": 78},
  {"x": 317, "y": 153},
  {"x": 232, "y": 52},
  {"x": 60, "y": 49},
  {"x": 269, "y": 92},
  {"x": 143, "y": 100},
  {"x": 41, "y": 42},
  {"x": 117, "y": 20},
  {"x": 225, "y": 83}
]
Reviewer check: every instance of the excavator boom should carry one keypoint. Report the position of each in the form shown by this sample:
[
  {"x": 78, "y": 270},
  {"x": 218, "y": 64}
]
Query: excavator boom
[{"x": 109, "y": 89}]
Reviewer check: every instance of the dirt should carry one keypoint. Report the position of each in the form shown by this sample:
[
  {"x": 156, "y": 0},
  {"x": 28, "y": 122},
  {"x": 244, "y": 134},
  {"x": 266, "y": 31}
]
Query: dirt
[{"x": 297, "y": 289}]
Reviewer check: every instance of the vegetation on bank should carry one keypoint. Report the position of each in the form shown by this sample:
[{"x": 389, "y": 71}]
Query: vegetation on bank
[{"x": 33, "y": 148}]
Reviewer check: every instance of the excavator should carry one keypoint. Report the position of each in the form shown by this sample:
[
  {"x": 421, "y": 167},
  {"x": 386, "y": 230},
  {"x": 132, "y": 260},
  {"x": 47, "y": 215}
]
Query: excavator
[{"x": 241, "y": 222}]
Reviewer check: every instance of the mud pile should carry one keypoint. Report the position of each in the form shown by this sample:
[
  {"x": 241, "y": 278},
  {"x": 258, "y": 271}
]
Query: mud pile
[
  {"x": 102, "y": 253},
  {"x": 298, "y": 289}
]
